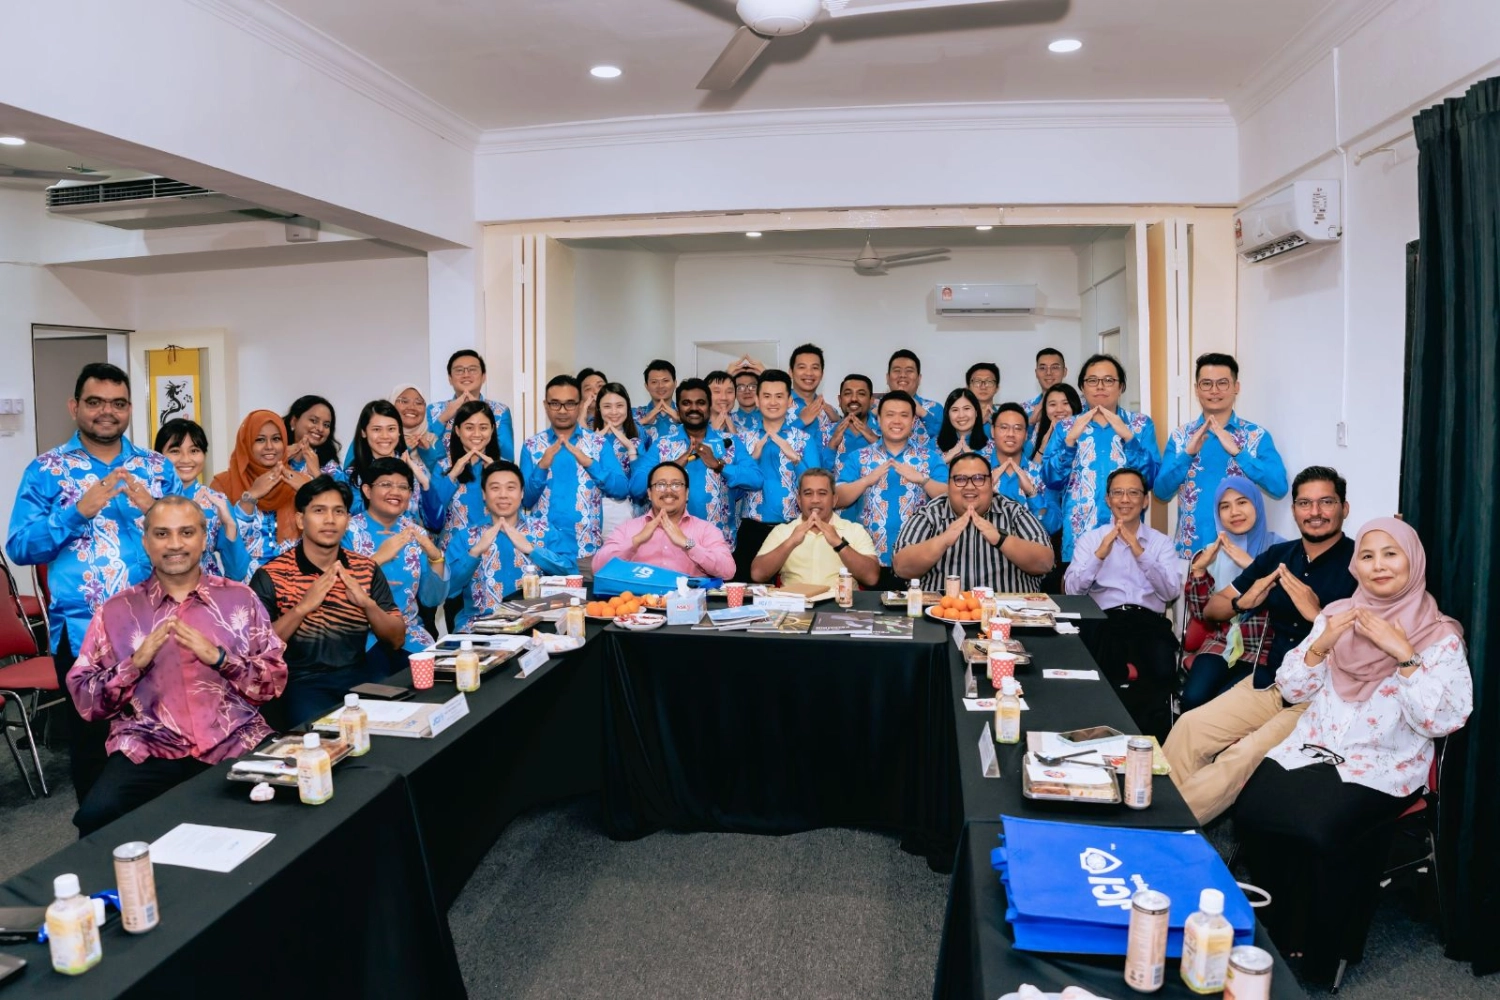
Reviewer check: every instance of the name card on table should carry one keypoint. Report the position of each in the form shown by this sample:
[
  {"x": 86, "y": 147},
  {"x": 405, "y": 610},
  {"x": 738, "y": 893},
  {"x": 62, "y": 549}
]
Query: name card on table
[
  {"x": 452, "y": 710},
  {"x": 795, "y": 603},
  {"x": 531, "y": 659},
  {"x": 958, "y": 636},
  {"x": 581, "y": 593},
  {"x": 987, "y": 758},
  {"x": 1056, "y": 674}
]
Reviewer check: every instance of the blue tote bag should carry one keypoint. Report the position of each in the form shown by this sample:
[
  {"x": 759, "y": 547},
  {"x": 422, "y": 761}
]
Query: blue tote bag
[
  {"x": 619, "y": 575},
  {"x": 1068, "y": 885}
]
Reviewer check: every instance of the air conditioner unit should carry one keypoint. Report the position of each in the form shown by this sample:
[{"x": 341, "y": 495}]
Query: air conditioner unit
[
  {"x": 1302, "y": 214},
  {"x": 986, "y": 300},
  {"x": 151, "y": 203}
]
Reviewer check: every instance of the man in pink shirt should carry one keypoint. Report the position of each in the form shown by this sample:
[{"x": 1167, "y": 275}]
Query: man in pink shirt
[
  {"x": 669, "y": 536},
  {"x": 179, "y": 664}
]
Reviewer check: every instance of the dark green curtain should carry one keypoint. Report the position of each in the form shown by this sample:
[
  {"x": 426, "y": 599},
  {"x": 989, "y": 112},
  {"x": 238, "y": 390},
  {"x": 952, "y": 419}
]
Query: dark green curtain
[{"x": 1450, "y": 482}]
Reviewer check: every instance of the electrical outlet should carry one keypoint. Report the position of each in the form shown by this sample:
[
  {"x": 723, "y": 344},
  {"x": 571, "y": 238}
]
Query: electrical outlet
[{"x": 1343, "y": 434}]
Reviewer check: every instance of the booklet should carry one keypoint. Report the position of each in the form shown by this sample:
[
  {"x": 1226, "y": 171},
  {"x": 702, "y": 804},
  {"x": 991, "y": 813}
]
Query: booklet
[
  {"x": 728, "y": 619},
  {"x": 844, "y": 623},
  {"x": 786, "y": 623},
  {"x": 892, "y": 627}
]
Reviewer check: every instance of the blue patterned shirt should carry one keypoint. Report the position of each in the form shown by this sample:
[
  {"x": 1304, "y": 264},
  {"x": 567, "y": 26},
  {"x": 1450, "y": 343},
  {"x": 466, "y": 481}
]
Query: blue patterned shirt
[
  {"x": 1081, "y": 470},
  {"x": 710, "y": 494},
  {"x": 1195, "y": 478},
  {"x": 885, "y": 506},
  {"x": 505, "y": 434},
  {"x": 1009, "y": 485},
  {"x": 662, "y": 426},
  {"x": 567, "y": 497},
  {"x": 221, "y": 556},
  {"x": 88, "y": 560},
  {"x": 411, "y": 576},
  {"x": 484, "y": 580},
  {"x": 924, "y": 430},
  {"x": 825, "y": 423},
  {"x": 775, "y": 500}
]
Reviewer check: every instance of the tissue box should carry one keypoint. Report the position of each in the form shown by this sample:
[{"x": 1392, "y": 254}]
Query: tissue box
[{"x": 686, "y": 609}]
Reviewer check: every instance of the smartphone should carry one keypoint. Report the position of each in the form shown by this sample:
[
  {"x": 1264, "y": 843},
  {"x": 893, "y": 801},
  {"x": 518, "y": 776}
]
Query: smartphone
[
  {"x": 20, "y": 923},
  {"x": 1093, "y": 734},
  {"x": 449, "y": 645},
  {"x": 388, "y": 692},
  {"x": 10, "y": 967}
]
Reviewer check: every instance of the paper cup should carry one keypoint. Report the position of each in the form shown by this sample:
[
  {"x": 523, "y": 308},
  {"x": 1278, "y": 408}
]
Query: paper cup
[
  {"x": 999, "y": 627},
  {"x": 735, "y": 594},
  {"x": 422, "y": 670},
  {"x": 575, "y": 579},
  {"x": 1002, "y": 664}
]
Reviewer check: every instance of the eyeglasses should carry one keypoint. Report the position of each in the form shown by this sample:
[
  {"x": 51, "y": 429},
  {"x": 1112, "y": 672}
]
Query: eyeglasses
[
  {"x": 465, "y": 370},
  {"x": 1323, "y": 754},
  {"x": 1326, "y": 503},
  {"x": 983, "y": 383},
  {"x": 1210, "y": 384},
  {"x": 396, "y": 487},
  {"x": 1126, "y": 494},
  {"x": 1014, "y": 428},
  {"x": 668, "y": 487},
  {"x": 562, "y": 404},
  {"x": 95, "y": 403},
  {"x": 1049, "y": 369},
  {"x": 978, "y": 479},
  {"x": 1100, "y": 381}
]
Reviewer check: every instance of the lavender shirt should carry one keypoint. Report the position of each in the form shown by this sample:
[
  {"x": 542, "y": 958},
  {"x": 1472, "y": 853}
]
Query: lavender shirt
[
  {"x": 1120, "y": 578},
  {"x": 179, "y": 706}
]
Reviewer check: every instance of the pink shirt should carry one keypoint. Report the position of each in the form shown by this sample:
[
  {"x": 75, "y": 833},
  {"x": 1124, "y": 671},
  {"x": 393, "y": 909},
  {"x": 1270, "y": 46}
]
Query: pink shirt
[{"x": 710, "y": 555}]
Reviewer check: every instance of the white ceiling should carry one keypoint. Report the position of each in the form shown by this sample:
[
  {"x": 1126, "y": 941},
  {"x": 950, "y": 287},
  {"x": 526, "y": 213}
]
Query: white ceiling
[
  {"x": 35, "y": 156},
  {"x": 848, "y": 242},
  {"x": 508, "y": 63}
]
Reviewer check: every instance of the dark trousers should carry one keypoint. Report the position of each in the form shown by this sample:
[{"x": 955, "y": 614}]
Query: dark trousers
[
  {"x": 1316, "y": 843},
  {"x": 751, "y": 535},
  {"x": 124, "y": 785},
  {"x": 1210, "y": 677},
  {"x": 86, "y": 751},
  {"x": 310, "y": 694},
  {"x": 1139, "y": 636}
]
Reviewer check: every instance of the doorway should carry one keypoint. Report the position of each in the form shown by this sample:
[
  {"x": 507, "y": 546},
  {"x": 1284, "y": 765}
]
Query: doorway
[{"x": 58, "y": 354}]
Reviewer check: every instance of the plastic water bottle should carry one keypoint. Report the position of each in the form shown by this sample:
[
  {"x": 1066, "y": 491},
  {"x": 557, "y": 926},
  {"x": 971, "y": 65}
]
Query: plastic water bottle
[
  {"x": 531, "y": 583},
  {"x": 354, "y": 726},
  {"x": 914, "y": 599},
  {"x": 314, "y": 771},
  {"x": 1008, "y": 712},
  {"x": 466, "y": 667},
  {"x": 1207, "y": 939},
  {"x": 72, "y": 931}
]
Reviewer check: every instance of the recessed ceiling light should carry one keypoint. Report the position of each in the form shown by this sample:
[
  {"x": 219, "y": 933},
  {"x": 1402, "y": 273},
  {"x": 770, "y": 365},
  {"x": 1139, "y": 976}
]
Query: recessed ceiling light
[
  {"x": 984, "y": 229},
  {"x": 753, "y": 235},
  {"x": 11, "y": 140},
  {"x": 1066, "y": 45},
  {"x": 605, "y": 72}
]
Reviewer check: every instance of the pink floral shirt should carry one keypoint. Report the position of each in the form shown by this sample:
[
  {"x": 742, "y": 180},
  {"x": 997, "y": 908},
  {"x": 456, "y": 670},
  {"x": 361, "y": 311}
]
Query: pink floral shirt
[
  {"x": 1386, "y": 740},
  {"x": 179, "y": 706}
]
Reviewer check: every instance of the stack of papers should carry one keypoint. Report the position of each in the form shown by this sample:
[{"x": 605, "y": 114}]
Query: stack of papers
[
  {"x": 731, "y": 619},
  {"x": 414, "y": 720}
]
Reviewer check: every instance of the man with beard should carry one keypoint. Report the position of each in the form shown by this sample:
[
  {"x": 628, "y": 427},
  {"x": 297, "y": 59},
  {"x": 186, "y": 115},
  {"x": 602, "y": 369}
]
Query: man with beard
[
  {"x": 176, "y": 667},
  {"x": 713, "y": 461},
  {"x": 813, "y": 548},
  {"x": 1214, "y": 749},
  {"x": 987, "y": 540},
  {"x": 78, "y": 512}
]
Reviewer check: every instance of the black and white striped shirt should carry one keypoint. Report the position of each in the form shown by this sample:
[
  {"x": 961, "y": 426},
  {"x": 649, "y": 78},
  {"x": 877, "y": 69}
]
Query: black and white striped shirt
[{"x": 975, "y": 560}]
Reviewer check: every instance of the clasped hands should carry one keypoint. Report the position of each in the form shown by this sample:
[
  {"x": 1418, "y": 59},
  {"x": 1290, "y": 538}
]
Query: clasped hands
[
  {"x": 1301, "y": 595},
  {"x": 1209, "y": 426},
  {"x": 98, "y": 496},
  {"x": 1390, "y": 637},
  {"x": 1121, "y": 531},
  {"x": 656, "y": 522},
  {"x": 812, "y": 522},
  {"x": 792, "y": 454},
  {"x": 972, "y": 516},
  {"x": 186, "y": 636},
  {"x": 1098, "y": 415}
]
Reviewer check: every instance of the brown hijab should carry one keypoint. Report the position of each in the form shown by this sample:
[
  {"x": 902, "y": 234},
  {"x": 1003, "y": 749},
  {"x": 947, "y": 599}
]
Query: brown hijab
[
  {"x": 244, "y": 470},
  {"x": 1357, "y": 665}
]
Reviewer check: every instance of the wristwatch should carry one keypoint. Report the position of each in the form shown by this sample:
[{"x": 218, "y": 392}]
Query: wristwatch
[
  {"x": 1234, "y": 603},
  {"x": 842, "y": 545},
  {"x": 687, "y": 546}
]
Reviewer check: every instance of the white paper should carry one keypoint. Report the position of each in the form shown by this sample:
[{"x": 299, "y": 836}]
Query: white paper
[
  {"x": 1070, "y": 675},
  {"x": 1065, "y": 628},
  {"x": 387, "y": 713},
  {"x": 207, "y": 848},
  {"x": 1066, "y": 614},
  {"x": 987, "y": 762},
  {"x": 533, "y": 658},
  {"x": 1068, "y": 775},
  {"x": 482, "y": 643},
  {"x": 987, "y": 704}
]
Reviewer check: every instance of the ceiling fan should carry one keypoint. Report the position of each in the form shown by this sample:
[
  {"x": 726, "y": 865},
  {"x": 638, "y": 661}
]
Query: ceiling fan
[
  {"x": 869, "y": 262},
  {"x": 71, "y": 174},
  {"x": 768, "y": 19}
]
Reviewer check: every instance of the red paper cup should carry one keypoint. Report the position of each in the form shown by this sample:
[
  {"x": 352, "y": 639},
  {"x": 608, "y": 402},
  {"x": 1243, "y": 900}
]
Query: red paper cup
[
  {"x": 1002, "y": 664},
  {"x": 735, "y": 593},
  {"x": 999, "y": 627},
  {"x": 422, "y": 670},
  {"x": 575, "y": 579}
]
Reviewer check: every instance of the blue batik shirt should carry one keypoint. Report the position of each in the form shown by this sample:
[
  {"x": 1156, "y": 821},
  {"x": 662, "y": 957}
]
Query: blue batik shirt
[
  {"x": 710, "y": 493},
  {"x": 1195, "y": 478},
  {"x": 662, "y": 426},
  {"x": 924, "y": 430},
  {"x": 775, "y": 499},
  {"x": 884, "y": 507},
  {"x": 824, "y": 423},
  {"x": 566, "y": 496},
  {"x": 485, "y": 580},
  {"x": 413, "y": 580},
  {"x": 88, "y": 560},
  {"x": 505, "y": 434},
  {"x": 746, "y": 421},
  {"x": 1008, "y": 484},
  {"x": 1081, "y": 470},
  {"x": 221, "y": 555}
]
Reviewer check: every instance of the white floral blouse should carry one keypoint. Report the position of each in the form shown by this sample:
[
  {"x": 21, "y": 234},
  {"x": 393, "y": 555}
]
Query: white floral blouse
[{"x": 1386, "y": 740}]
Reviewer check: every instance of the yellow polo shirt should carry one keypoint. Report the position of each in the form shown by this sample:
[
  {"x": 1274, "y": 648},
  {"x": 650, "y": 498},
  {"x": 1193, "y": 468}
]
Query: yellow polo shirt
[{"x": 814, "y": 561}]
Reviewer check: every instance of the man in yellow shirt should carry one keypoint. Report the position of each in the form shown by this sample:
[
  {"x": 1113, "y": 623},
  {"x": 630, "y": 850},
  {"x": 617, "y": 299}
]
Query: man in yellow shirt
[{"x": 813, "y": 548}]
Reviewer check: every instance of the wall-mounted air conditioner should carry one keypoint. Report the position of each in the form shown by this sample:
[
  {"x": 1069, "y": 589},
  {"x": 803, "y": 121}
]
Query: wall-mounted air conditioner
[
  {"x": 1302, "y": 214},
  {"x": 985, "y": 300}
]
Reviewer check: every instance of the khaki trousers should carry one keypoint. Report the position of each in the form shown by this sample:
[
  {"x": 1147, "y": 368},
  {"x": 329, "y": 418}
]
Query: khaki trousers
[{"x": 1215, "y": 748}]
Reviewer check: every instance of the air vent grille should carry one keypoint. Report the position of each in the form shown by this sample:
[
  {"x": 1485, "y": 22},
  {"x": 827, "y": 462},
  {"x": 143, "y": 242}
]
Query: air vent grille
[{"x": 108, "y": 192}]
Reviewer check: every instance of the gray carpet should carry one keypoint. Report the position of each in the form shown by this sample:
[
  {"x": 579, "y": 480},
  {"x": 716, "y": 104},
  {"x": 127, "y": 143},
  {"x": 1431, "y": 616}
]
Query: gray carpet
[{"x": 558, "y": 910}]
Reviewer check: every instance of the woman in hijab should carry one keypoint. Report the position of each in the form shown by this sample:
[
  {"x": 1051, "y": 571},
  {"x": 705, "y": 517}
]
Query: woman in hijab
[
  {"x": 1383, "y": 674},
  {"x": 1234, "y": 648},
  {"x": 261, "y": 486}
]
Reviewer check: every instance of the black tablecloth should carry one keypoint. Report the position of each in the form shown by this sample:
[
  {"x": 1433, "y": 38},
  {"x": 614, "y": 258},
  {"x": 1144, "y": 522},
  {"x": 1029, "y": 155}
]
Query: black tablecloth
[
  {"x": 760, "y": 733},
  {"x": 351, "y": 871},
  {"x": 979, "y": 960}
]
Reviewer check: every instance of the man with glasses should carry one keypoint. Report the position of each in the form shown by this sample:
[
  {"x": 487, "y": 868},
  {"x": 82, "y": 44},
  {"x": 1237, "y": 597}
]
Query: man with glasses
[
  {"x": 1086, "y": 448},
  {"x": 987, "y": 540},
  {"x": 1051, "y": 368},
  {"x": 1130, "y": 570},
  {"x": 466, "y": 372},
  {"x": 983, "y": 380},
  {"x": 658, "y": 417},
  {"x": 1214, "y": 749},
  {"x": 1220, "y": 443},
  {"x": 79, "y": 512},
  {"x": 667, "y": 535},
  {"x": 746, "y": 413},
  {"x": 903, "y": 373},
  {"x": 568, "y": 471}
]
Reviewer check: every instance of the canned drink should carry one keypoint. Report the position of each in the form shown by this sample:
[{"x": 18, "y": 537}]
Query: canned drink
[
  {"x": 1146, "y": 944},
  {"x": 953, "y": 585},
  {"x": 137, "y": 884},
  {"x": 1138, "y": 754},
  {"x": 1002, "y": 663},
  {"x": 1249, "y": 975}
]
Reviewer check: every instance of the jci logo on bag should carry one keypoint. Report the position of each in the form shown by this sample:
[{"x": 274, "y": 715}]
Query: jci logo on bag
[
  {"x": 1109, "y": 890},
  {"x": 642, "y": 572}
]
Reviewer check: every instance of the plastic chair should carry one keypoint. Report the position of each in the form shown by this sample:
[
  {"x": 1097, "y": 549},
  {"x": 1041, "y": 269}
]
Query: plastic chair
[{"x": 28, "y": 676}]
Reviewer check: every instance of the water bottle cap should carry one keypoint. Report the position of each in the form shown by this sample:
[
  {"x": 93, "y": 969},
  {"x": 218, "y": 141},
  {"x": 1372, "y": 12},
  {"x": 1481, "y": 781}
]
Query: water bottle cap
[
  {"x": 1211, "y": 901},
  {"x": 351, "y": 701},
  {"x": 1007, "y": 685},
  {"x": 915, "y": 584},
  {"x": 64, "y": 886},
  {"x": 844, "y": 571},
  {"x": 311, "y": 741},
  {"x": 465, "y": 645},
  {"x": 574, "y": 602}
]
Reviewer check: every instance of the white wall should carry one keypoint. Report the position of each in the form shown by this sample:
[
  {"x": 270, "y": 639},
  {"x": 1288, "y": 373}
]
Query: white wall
[
  {"x": 623, "y": 312},
  {"x": 860, "y": 320},
  {"x": 347, "y": 331},
  {"x": 1322, "y": 333}
]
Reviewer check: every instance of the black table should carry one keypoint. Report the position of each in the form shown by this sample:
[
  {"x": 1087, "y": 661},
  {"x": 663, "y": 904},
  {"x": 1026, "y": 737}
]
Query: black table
[
  {"x": 979, "y": 959},
  {"x": 762, "y": 733},
  {"x": 351, "y": 870}
]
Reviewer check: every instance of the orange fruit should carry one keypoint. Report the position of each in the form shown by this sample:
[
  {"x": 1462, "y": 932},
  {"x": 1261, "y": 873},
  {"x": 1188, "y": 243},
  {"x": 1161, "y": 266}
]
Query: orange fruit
[
  {"x": 973, "y": 604},
  {"x": 626, "y": 595}
]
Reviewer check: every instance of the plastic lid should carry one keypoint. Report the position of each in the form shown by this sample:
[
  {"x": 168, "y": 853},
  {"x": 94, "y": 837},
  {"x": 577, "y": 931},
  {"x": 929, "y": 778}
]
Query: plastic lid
[
  {"x": 844, "y": 571},
  {"x": 351, "y": 701},
  {"x": 311, "y": 741},
  {"x": 64, "y": 886},
  {"x": 1007, "y": 685},
  {"x": 916, "y": 584},
  {"x": 467, "y": 645},
  {"x": 1211, "y": 901},
  {"x": 574, "y": 602}
]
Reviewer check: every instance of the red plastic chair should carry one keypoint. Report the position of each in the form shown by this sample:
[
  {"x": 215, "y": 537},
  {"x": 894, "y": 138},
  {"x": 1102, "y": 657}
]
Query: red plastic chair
[{"x": 26, "y": 677}]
